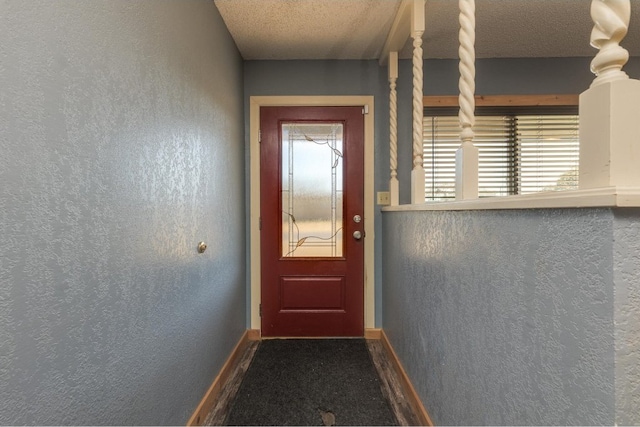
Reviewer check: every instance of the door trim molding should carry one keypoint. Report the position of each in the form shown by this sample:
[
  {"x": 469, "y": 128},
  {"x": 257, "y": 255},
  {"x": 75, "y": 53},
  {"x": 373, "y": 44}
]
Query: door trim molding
[{"x": 254, "y": 184}]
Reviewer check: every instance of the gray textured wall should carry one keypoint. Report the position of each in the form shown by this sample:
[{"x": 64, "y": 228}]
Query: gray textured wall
[
  {"x": 507, "y": 317},
  {"x": 122, "y": 147},
  {"x": 626, "y": 271}
]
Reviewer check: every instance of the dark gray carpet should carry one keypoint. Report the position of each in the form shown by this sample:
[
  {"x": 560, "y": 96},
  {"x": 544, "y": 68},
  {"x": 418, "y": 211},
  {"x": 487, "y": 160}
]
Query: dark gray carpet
[{"x": 311, "y": 382}]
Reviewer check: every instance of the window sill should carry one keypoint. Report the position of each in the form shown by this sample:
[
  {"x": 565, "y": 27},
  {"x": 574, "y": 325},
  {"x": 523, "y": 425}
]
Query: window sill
[{"x": 610, "y": 197}]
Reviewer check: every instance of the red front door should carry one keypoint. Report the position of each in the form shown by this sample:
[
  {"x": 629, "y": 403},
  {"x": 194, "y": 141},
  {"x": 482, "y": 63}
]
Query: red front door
[{"x": 312, "y": 219}]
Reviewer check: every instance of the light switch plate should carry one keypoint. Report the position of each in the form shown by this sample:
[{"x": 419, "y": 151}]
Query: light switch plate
[{"x": 383, "y": 198}]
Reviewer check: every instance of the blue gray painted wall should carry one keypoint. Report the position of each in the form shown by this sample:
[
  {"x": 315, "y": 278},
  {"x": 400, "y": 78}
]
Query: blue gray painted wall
[
  {"x": 626, "y": 273},
  {"x": 507, "y": 317},
  {"x": 122, "y": 146}
]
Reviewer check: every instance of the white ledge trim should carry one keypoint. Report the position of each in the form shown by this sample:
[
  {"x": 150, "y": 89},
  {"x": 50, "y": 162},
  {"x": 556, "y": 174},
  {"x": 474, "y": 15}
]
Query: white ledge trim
[{"x": 598, "y": 197}]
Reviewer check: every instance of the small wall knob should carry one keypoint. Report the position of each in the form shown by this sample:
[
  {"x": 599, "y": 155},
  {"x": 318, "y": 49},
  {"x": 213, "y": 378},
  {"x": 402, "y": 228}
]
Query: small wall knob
[{"x": 202, "y": 246}]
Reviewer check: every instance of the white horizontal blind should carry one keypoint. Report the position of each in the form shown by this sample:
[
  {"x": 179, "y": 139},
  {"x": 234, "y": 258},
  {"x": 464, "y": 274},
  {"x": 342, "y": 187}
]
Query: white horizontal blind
[
  {"x": 441, "y": 139},
  {"x": 494, "y": 137},
  {"x": 517, "y": 154},
  {"x": 548, "y": 153}
]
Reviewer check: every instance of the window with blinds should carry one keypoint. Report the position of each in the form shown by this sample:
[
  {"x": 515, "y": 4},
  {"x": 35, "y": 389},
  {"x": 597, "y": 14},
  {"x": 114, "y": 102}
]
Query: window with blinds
[
  {"x": 548, "y": 153},
  {"x": 518, "y": 154}
]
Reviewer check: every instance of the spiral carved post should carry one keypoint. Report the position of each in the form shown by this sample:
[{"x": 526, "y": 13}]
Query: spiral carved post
[
  {"x": 611, "y": 19},
  {"x": 467, "y": 154},
  {"x": 417, "y": 173},
  {"x": 610, "y": 108},
  {"x": 394, "y": 186}
]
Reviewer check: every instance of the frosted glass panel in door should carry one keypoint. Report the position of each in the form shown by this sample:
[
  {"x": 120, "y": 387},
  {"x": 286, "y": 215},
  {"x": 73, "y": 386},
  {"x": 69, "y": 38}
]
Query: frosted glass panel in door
[{"x": 312, "y": 189}]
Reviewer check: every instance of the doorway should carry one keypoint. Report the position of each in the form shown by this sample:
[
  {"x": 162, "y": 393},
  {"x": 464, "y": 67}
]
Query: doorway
[
  {"x": 312, "y": 221},
  {"x": 333, "y": 280}
]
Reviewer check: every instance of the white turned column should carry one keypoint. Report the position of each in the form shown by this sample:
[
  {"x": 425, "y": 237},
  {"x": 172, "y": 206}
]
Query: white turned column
[
  {"x": 467, "y": 154},
  {"x": 610, "y": 108},
  {"x": 394, "y": 186},
  {"x": 417, "y": 173},
  {"x": 611, "y": 19}
]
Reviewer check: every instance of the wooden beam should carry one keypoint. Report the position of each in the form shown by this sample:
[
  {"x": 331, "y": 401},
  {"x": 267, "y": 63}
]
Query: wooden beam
[
  {"x": 504, "y": 100},
  {"x": 399, "y": 32}
]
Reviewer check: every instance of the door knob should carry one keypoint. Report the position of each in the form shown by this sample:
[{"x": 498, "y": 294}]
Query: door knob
[{"x": 357, "y": 235}]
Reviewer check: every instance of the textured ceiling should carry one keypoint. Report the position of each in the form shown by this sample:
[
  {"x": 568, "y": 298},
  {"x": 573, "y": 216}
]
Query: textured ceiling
[
  {"x": 357, "y": 29},
  {"x": 309, "y": 29},
  {"x": 519, "y": 28}
]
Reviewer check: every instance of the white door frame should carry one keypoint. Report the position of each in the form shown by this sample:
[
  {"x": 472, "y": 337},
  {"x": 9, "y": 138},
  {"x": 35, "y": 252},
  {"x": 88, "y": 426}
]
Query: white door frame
[{"x": 254, "y": 154}]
